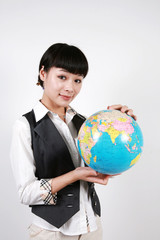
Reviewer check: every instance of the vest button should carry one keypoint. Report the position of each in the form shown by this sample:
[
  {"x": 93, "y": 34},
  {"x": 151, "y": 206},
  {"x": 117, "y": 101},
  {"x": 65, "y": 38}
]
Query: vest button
[
  {"x": 70, "y": 206},
  {"x": 95, "y": 203},
  {"x": 94, "y": 193},
  {"x": 70, "y": 194}
]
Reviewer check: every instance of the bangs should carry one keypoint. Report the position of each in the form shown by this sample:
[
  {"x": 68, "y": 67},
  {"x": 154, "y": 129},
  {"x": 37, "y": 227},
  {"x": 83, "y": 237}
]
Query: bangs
[
  {"x": 67, "y": 57},
  {"x": 72, "y": 60}
]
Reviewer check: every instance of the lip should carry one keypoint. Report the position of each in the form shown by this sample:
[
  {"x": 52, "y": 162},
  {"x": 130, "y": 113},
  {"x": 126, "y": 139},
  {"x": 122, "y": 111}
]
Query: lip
[{"x": 66, "y": 97}]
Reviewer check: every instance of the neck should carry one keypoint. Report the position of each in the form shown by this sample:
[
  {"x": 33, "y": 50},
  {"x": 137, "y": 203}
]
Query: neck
[{"x": 61, "y": 111}]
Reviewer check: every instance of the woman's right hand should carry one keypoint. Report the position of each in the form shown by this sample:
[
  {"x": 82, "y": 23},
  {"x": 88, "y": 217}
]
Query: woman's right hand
[{"x": 90, "y": 175}]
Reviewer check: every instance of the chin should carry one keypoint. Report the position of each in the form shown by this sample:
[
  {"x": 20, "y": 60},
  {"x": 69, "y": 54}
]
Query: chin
[{"x": 64, "y": 104}]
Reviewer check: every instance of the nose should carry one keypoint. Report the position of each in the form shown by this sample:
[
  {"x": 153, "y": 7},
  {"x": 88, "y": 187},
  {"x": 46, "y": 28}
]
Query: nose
[{"x": 69, "y": 87}]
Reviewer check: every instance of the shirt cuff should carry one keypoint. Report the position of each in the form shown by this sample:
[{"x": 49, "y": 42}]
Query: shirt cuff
[{"x": 47, "y": 197}]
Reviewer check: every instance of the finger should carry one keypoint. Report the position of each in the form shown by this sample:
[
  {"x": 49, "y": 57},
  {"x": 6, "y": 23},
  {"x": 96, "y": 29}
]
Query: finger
[
  {"x": 91, "y": 170},
  {"x": 124, "y": 109},
  {"x": 102, "y": 181},
  {"x": 115, "y": 107},
  {"x": 91, "y": 173},
  {"x": 130, "y": 113},
  {"x": 135, "y": 117},
  {"x": 114, "y": 175},
  {"x": 117, "y": 174},
  {"x": 105, "y": 179}
]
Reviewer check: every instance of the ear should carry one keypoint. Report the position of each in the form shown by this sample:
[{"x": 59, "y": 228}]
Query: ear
[{"x": 42, "y": 74}]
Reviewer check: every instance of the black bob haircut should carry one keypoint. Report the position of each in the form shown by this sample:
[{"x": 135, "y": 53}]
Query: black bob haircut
[{"x": 62, "y": 55}]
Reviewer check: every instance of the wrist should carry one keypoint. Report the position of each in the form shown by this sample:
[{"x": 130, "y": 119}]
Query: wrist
[
  {"x": 75, "y": 175},
  {"x": 62, "y": 181}
]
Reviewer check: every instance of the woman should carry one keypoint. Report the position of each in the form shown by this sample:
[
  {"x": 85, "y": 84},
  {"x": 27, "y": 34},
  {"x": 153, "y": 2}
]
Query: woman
[{"x": 50, "y": 176}]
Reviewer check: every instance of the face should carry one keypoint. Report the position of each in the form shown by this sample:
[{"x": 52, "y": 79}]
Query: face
[{"x": 60, "y": 87}]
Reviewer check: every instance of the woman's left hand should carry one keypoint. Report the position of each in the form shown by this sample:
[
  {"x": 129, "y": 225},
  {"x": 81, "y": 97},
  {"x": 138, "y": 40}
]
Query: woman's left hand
[{"x": 123, "y": 109}]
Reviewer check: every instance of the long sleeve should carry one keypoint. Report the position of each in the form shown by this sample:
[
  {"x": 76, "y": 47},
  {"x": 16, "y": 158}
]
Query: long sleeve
[{"x": 31, "y": 191}]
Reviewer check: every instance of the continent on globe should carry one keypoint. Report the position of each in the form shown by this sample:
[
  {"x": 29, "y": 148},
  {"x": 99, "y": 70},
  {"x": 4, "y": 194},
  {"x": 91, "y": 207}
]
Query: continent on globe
[{"x": 110, "y": 142}]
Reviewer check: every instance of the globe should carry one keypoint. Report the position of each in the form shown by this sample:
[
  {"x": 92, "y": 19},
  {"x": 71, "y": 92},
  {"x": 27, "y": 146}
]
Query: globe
[{"x": 110, "y": 142}]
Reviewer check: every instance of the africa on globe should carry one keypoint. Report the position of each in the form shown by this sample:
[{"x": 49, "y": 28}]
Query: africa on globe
[{"x": 110, "y": 142}]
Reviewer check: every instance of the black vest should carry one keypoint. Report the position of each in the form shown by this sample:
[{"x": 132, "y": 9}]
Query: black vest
[{"x": 53, "y": 159}]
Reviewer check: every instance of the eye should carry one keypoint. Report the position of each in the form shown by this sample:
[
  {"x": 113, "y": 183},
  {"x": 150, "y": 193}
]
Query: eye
[
  {"x": 78, "y": 80},
  {"x": 62, "y": 77}
]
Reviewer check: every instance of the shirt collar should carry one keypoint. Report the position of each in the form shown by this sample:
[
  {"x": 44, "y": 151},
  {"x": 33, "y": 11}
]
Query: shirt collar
[{"x": 40, "y": 111}]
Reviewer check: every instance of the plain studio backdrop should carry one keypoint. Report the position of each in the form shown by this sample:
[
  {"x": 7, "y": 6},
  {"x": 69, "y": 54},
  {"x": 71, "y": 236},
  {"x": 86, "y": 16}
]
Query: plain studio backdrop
[{"x": 121, "y": 41}]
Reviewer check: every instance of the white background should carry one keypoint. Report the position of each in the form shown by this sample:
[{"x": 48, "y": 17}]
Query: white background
[{"x": 121, "y": 40}]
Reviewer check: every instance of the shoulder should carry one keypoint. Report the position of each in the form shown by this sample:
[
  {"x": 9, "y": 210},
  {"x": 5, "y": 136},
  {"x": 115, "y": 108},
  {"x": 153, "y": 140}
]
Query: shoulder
[
  {"x": 81, "y": 116},
  {"x": 21, "y": 125},
  {"x": 73, "y": 112},
  {"x": 21, "y": 136}
]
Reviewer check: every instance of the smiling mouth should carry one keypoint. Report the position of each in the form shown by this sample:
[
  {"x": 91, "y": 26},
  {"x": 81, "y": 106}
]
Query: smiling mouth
[{"x": 65, "y": 97}]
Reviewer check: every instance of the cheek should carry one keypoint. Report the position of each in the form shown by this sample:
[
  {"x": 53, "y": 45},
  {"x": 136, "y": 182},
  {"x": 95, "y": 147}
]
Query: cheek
[
  {"x": 79, "y": 89},
  {"x": 52, "y": 85},
  {"x": 78, "y": 86}
]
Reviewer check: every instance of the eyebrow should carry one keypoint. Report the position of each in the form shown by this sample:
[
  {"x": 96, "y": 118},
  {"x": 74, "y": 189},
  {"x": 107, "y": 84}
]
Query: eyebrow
[{"x": 64, "y": 70}]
